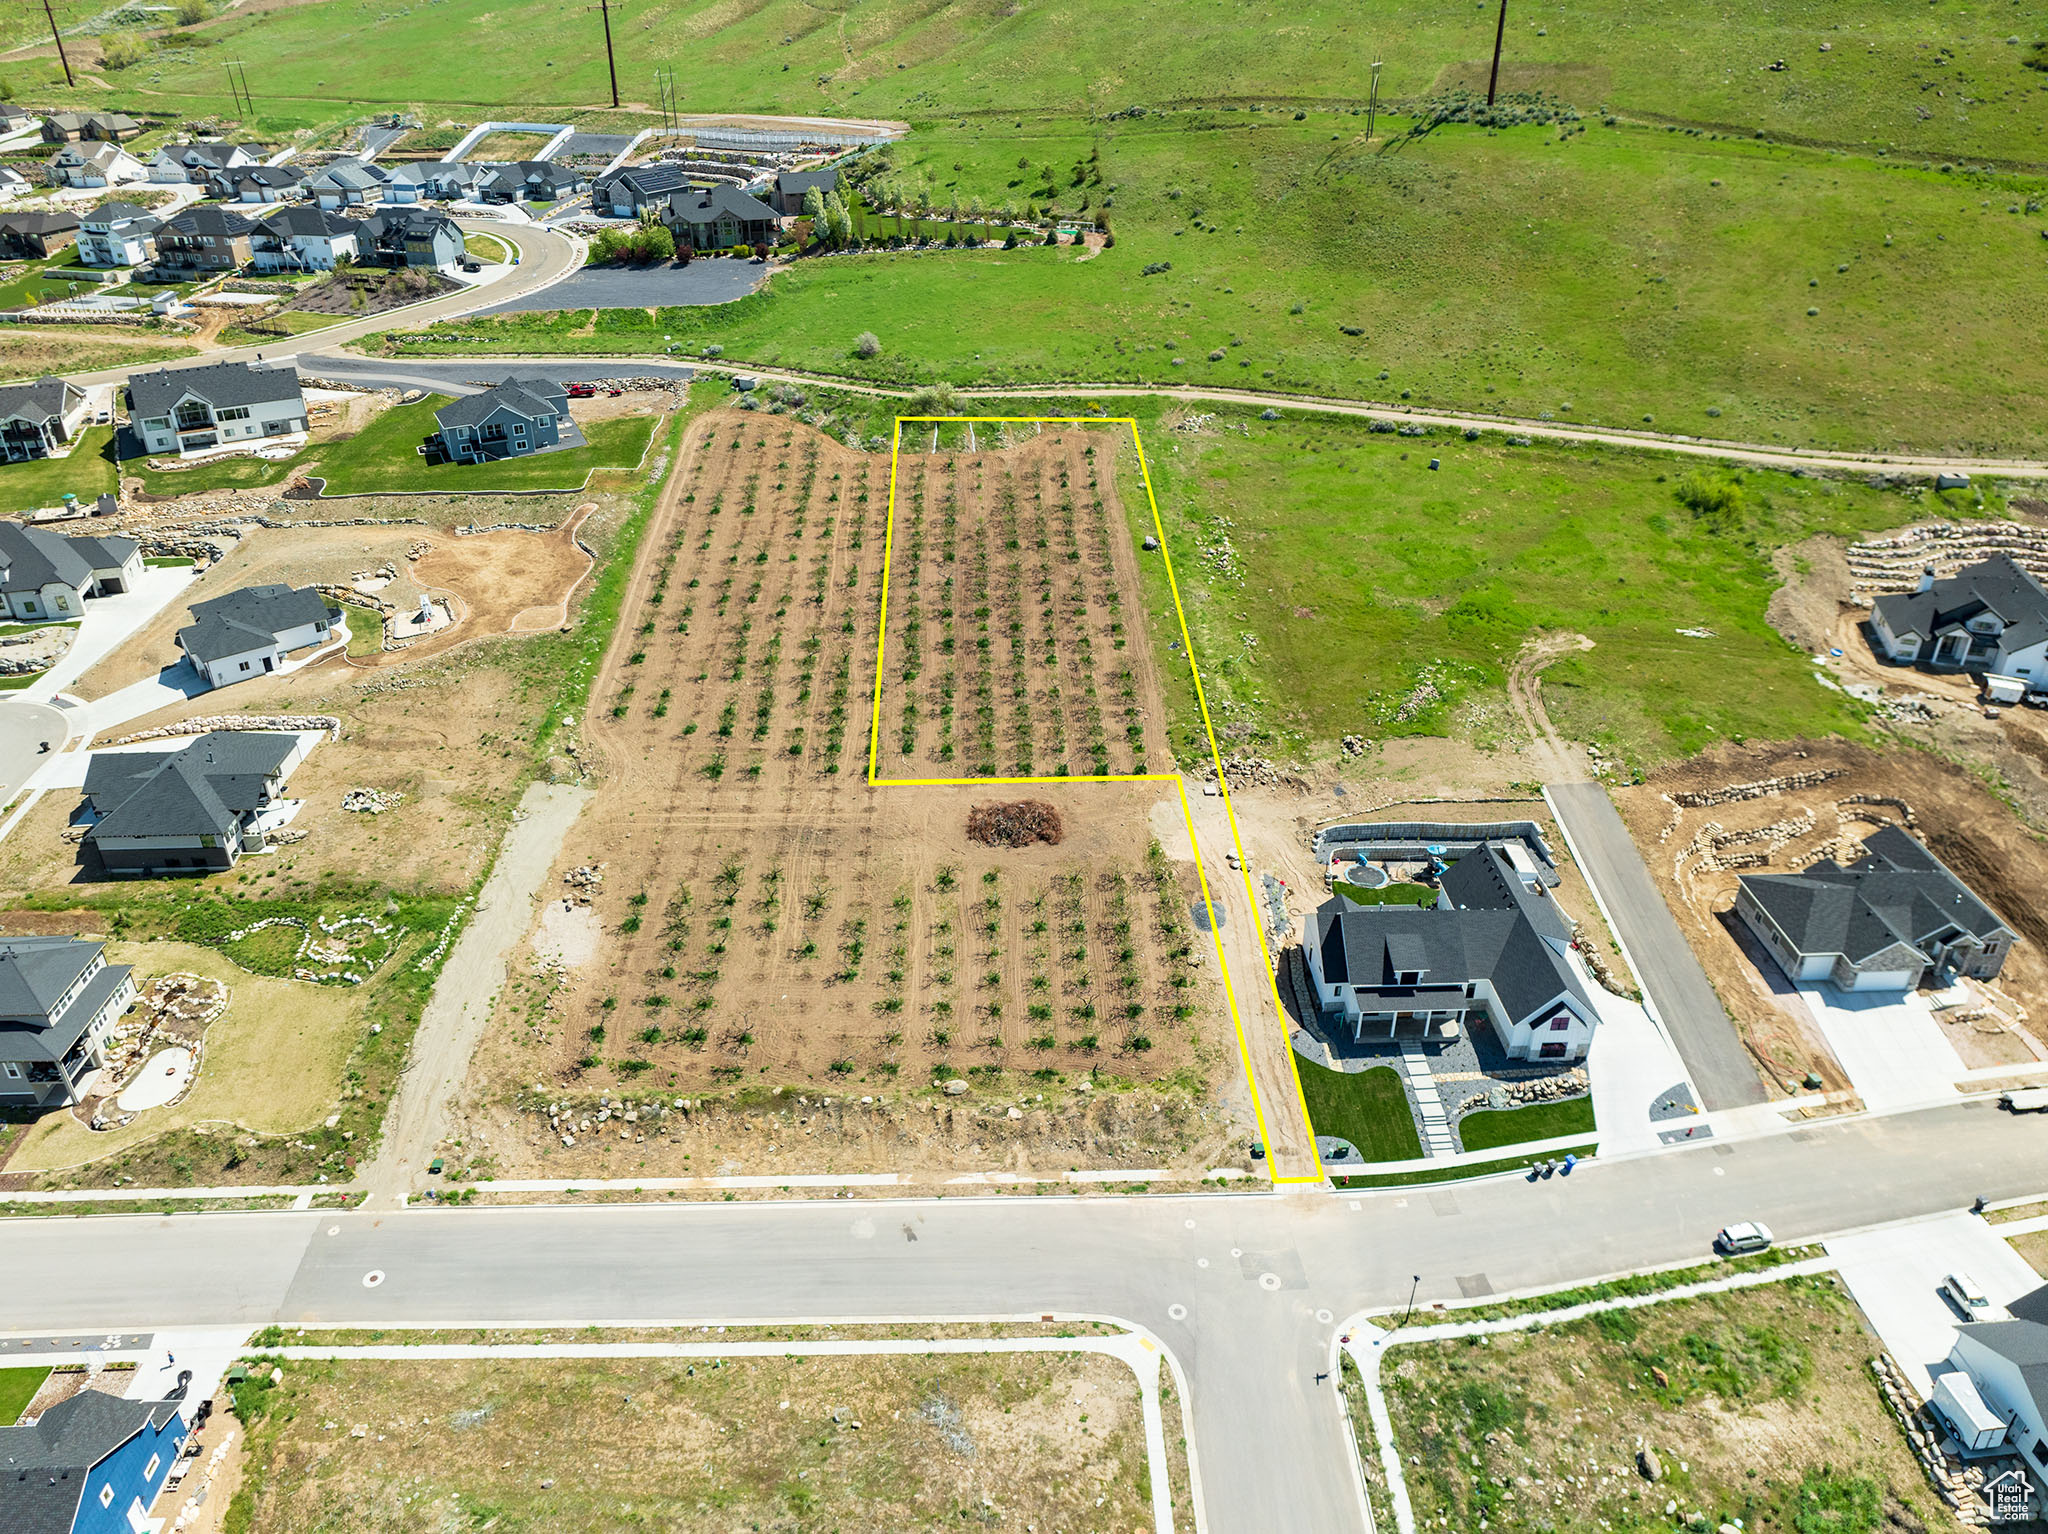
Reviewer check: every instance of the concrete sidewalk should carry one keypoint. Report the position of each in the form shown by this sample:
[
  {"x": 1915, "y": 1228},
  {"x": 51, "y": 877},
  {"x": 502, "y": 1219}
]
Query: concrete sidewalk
[{"x": 108, "y": 624}]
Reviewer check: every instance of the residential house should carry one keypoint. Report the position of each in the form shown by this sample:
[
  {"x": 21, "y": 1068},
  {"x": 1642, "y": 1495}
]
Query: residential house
[
  {"x": 196, "y": 809},
  {"x": 346, "y": 183},
  {"x": 719, "y": 217},
  {"x": 90, "y": 165},
  {"x": 250, "y": 631},
  {"x": 92, "y": 1464},
  {"x": 30, "y": 236},
  {"x": 790, "y": 186},
  {"x": 1877, "y": 925},
  {"x": 105, "y": 127},
  {"x": 303, "y": 238},
  {"x": 59, "y": 999},
  {"x": 410, "y": 237},
  {"x": 189, "y": 410},
  {"x": 117, "y": 234},
  {"x": 14, "y": 119},
  {"x": 1492, "y": 949},
  {"x": 528, "y": 181},
  {"x": 1991, "y": 616},
  {"x": 13, "y": 183},
  {"x": 201, "y": 160},
  {"x": 437, "y": 180},
  {"x": 43, "y": 575},
  {"x": 623, "y": 193},
  {"x": 2008, "y": 1363},
  {"x": 257, "y": 183},
  {"x": 38, "y": 418},
  {"x": 206, "y": 238},
  {"x": 519, "y": 416}
]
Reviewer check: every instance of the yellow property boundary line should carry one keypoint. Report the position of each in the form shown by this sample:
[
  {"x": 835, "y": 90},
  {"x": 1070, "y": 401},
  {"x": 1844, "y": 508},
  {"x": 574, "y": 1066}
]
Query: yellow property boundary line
[{"x": 1179, "y": 783}]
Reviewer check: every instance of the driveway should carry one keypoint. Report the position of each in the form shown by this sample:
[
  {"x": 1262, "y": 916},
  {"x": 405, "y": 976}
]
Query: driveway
[
  {"x": 1889, "y": 1044},
  {"x": 108, "y": 623},
  {"x": 1895, "y": 1274},
  {"x": 1678, "y": 993},
  {"x": 702, "y": 282}
]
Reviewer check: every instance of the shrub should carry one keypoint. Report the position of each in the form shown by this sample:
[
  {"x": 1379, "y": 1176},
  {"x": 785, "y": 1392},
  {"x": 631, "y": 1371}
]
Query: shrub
[
  {"x": 121, "y": 50},
  {"x": 191, "y": 12},
  {"x": 867, "y": 344}
]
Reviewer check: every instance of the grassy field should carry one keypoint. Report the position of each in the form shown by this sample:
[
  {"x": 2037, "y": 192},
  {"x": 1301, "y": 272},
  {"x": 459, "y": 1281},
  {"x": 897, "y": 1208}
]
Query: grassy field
[
  {"x": 1301, "y": 538},
  {"x": 18, "y": 1387},
  {"x": 27, "y": 354},
  {"x": 1051, "y": 1441},
  {"x": 1759, "y": 1404},
  {"x": 86, "y": 471},
  {"x": 2033, "y": 1250},
  {"x": 1464, "y": 1171},
  {"x": 1942, "y": 82},
  {"x": 1368, "y": 1108},
  {"x": 1489, "y": 1128},
  {"x": 382, "y": 458},
  {"x": 1715, "y": 286},
  {"x": 485, "y": 247}
]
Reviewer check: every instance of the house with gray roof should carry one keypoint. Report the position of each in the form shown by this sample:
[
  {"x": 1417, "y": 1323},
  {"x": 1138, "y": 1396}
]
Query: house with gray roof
[
  {"x": 117, "y": 234},
  {"x": 38, "y": 418},
  {"x": 59, "y": 1001},
  {"x": 2008, "y": 1363},
  {"x": 92, "y": 1464},
  {"x": 299, "y": 237},
  {"x": 719, "y": 217},
  {"x": 623, "y": 193},
  {"x": 787, "y": 191},
  {"x": 249, "y": 632},
  {"x": 256, "y": 183},
  {"x": 208, "y": 238},
  {"x": 1991, "y": 616},
  {"x": 410, "y": 236},
  {"x": 518, "y": 417},
  {"x": 45, "y": 576},
  {"x": 346, "y": 183},
  {"x": 31, "y": 235},
  {"x": 193, "y": 810},
  {"x": 440, "y": 180},
  {"x": 191, "y": 410},
  {"x": 1492, "y": 949},
  {"x": 90, "y": 165},
  {"x": 528, "y": 181},
  {"x": 200, "y": 160},
  {"x": 1879, "y": 924}
]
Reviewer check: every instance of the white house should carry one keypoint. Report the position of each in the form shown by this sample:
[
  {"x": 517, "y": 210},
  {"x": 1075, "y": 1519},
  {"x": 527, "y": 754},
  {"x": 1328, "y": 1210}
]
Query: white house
[
  {"x": 59, "y": 1000},
  {"x": 346, "y": 183},
  {"x": 43, "y": 576},
  {"x": 200, "y": 160},
  {"x": 1991, "y": 616},
  {"x": 118, "y": 234},
  {"x": 302, "y": 238},
  {"x": 189, "y": 410},
  {"x": 1491, "y": 947},
  {"x": 2008, "y": 1362},
  {"x": 37, "y": 419},
  {"x": 90, "y": 165},
  {"x": 249, "y": 632}
]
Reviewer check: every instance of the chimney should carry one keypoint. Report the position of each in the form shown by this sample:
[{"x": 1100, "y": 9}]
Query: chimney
[{"x": 1926, "y": 578}]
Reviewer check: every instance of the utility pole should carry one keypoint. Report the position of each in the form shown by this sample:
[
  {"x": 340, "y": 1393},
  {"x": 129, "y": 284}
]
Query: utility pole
[
  {"x": 59, "y": 36},
  {"x": 1499, "y": 32},
  {"x": 605, "y": 7},
  {"x": 1372, "y": 105}
]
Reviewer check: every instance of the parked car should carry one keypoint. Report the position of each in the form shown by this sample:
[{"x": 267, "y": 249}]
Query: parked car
[
  {"x": 582, "y": 391},
  {"x": 1746, "y": 1237},
  {"x": 2036, "y": 700},
  {"x": 472, "y": 266},
  {"x": 1967, "y": 1295}
]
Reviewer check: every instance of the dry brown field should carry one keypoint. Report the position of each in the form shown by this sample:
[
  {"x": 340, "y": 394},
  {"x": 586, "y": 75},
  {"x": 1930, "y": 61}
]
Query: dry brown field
[{"x": 766, "y": 915}]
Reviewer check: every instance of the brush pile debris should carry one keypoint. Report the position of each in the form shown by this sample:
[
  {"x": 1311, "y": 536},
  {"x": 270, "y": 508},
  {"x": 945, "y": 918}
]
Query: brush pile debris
[{"x": 1016, "y": 823}]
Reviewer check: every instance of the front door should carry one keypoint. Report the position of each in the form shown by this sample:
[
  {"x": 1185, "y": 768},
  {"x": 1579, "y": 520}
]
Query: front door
[{"x": 267, "y": 666}]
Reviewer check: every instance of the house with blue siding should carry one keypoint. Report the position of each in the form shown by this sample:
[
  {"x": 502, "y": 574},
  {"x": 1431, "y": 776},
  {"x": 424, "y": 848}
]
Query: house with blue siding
[{"x": 91, "y": 1465}]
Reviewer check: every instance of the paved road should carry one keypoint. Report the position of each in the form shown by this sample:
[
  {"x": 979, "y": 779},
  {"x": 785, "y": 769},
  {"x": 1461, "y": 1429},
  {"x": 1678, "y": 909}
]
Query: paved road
[
  {"x": 460, "y": 377},
  {"x": 1678, "y": 993},
  {"x": 24, "y": 728},
  {"x": 1248, "y": 1290}
]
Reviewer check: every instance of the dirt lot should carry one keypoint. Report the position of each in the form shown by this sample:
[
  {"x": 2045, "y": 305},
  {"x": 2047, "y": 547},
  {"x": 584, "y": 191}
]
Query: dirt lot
[
  {"x": 1697, "y": 853},
  {"x": 769, "y": 919},
  {"x": 1759, "y": 1406},
  {"x": 1022, "y": 1440}
]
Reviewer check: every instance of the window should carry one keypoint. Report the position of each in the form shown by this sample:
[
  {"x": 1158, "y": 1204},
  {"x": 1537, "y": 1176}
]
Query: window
[
  {"x": 149, "y": 1470},
  {"x": 245, "y": 665},
  {"x": 1559, "y": 1024},
  {"x": 1553, "y": 1051},
  {"x": 234, "y": 413},
  {"x": 11, "y": 1071},
  {"x": 107, "y": 1495}
]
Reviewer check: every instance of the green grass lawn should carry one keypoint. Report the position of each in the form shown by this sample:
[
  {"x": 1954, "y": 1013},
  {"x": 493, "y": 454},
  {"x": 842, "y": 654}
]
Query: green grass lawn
[
  {"x": 1490, "y": 1128},
  {"x": 1390, "y": 894},
  {"x": 1368, "y": 1108},
  {"x": 485, "y": 247},
  {"x": 18, "y": 1387},
  {"x": 1615, "y": 276},
  {"x": 88, "y": 470},
  {"x": 382, "y": 458},
  {"x": 1463, "y": 1172},
  {"x": 1306, "y": 537},
  {"x": 1939, "y": 82}
]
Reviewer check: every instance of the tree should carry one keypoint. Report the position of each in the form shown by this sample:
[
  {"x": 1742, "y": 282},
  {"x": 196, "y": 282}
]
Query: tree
[
  {"x": 1023, "y": 162},
  {"x": 659, "y": 245},
  {"x": 814, "y": 206},
  {"x": 867, "y": 344},
  {"x": 605, "y": 248}
]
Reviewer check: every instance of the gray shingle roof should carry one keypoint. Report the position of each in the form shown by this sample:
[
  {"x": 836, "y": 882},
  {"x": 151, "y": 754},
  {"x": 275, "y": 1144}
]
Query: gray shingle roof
[
  {"x": 36, "y": 971},
  {"x": 2023, "y": 1344},
  {"x": 1998, "y": 585},
  {"x": 529, "y": 397},
  {"x": 201, "y": 790},
  {"x": 720, "y": 201},
  {"x": 265, "y": 175},
  {"x": 39, "y": 223},
  {"x": 303, "y": 218},
  {"x": 207, "y": 219},
  {"x": 45, "y": 1466},
  {"x": 249, "y": 619},
  {"x": 349, "y": 173},
  {"x": 108, "y": 552},
  {"x": 218, "y": 383},
  {"x": 1495, "y": 930},
  {"x": 33, "y": 557},
  {"x": 110, "y": 214},
  {"x": 45, "y": 399},
  {"x": 794, "y": 183},
  {"x": 54, "y": 1041},
  {"x": 1897, "y": 893},
  {"x": 650, "y": 181}
]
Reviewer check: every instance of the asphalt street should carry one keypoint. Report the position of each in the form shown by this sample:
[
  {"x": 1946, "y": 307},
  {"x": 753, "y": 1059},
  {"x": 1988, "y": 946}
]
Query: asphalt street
[
  {"x": 27, "y": 726},
  {"x": 1674, "y": 985},
  {"x": 1248, "y": 1290},
  {"x": 707, "y": 280}
]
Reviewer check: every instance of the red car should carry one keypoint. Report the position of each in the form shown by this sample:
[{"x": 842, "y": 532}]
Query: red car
[{"x": 582, "y": 391}]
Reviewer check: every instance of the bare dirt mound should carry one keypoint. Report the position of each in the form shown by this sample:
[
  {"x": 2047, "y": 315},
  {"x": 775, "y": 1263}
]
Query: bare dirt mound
[{"x": 1018, "y": 823}]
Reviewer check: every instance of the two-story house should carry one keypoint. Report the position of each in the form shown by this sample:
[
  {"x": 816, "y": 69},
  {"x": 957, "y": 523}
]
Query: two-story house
[
  {"x": 518, "y": 417},
  {"x": 1991, "y": 616},
  {"x": 118, "y": 234},
  {"x": 205, "y": 239},
  {"x": 410, "y": 236},
  {"x": 193, "y": 810},
  {"x": 31, "y": 236},
  {"x": 720, "y": 217},
  {"x": 189, "y": 410},
  {"x": 94, "y": 165},
  {"x": 623, "y": 193},
  {"x": 199, "y": 161},
  {"x": 346, "y": 183},
  {"x": 92, "y": 1464},
  {"x": 38, "y": 418},
  {"x": 249, "y": 632},
  {"x": 59, "y": 999},
  {"x": 789, "y": 187},
  {"x": 302, "y": 238},
  {"x": 104, "y": 127},
  {"x": 44, "y": 576}
]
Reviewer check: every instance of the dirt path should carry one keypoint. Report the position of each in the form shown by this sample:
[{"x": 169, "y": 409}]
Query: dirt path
[
  {"x": 468, "y": 987},
  {"x": 1560, "y": 763}
]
